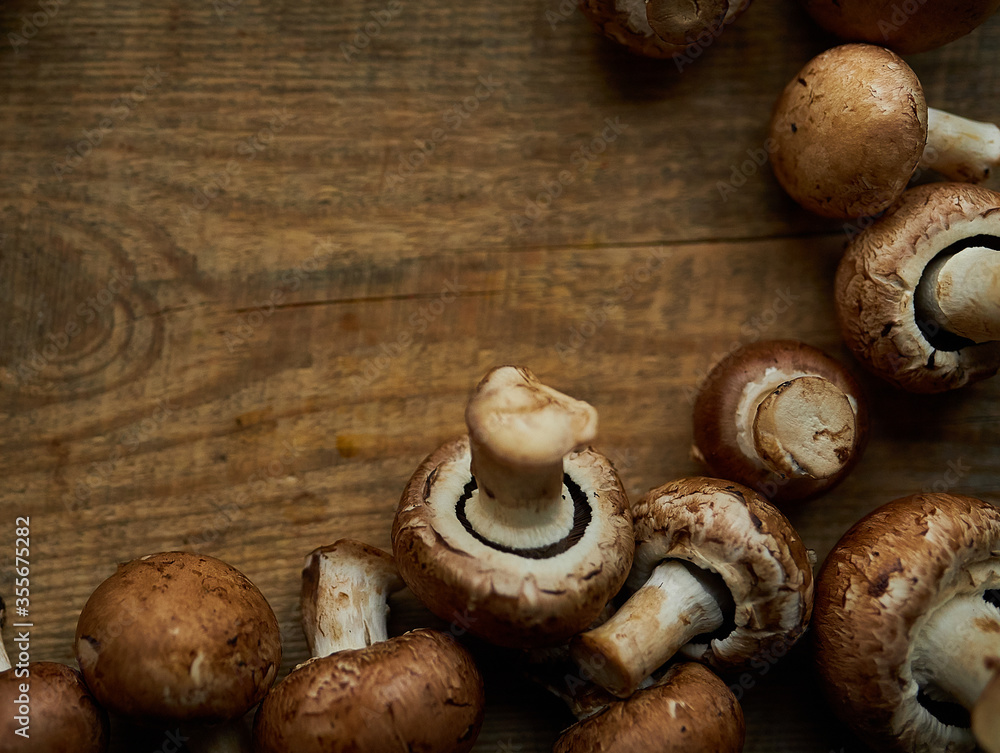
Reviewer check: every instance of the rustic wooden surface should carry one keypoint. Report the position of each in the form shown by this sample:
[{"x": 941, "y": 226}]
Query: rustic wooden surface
[{"x": 233, "y": 322}]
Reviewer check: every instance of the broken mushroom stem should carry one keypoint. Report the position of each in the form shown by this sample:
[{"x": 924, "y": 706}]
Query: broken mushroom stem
[
  {"x": 961, "y": 293},
  {"x": 676, "y": 604},
  {"x": 798, "y": 426},
  {"x": 957, "y": 652},
  {"x": 960, "y": 148},
  {"x": 345, "y": 596},
  {"x": 519, "y": 432},
  {"x": 681, "y": 22}
]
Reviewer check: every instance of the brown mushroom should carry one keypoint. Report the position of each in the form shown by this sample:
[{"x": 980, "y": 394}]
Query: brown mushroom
[
  {"x": 907, "y": 623},
  {"x": 47, "y": 708},
  {"x": 689, "y": 710},
  {"x": 662, "y": 28},
  {"x": 516, "y": 529},
  {"x": 179, "y": 638},
  {"x": 851, "y": 128},
  {"x": 918, "y": 292},
  {"x": 364, "y": 692},
  {"x": 720, "y": 576},
  {"x": 907, "y": 28},
  {"x": 780, "y": 417}
]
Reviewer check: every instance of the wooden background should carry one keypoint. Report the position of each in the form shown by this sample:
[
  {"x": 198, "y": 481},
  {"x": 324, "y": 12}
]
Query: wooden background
[{"x": 233, "y": 320}]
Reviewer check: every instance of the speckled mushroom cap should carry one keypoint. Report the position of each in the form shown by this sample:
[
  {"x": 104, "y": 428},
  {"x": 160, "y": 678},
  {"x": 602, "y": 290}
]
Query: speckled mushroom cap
[
  {"x": 877, "y": 280},
  {"x": 716, "y": 440},
  {"x": 849, "y": 131},
  {"x": 178, "y": 636},
  {"x": 906, "y": 28},
  {"x": 874, "y": 593},
  {"x": 689, "y": 711},
  {"x": 417, "y": 692},
  {"x": 64, "y": 718},
  {"x": 730, "y": 530},
  {"x": 626, "y": 22},
  {"x": 512, "y": 597}
]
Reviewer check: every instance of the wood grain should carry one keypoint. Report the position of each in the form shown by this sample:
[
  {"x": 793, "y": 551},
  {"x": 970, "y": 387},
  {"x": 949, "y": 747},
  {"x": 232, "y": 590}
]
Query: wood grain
[{"x": 234, "y": 319}]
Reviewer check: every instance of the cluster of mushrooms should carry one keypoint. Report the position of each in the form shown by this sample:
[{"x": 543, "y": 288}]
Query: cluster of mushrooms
[{"x": 635, "y": 614}]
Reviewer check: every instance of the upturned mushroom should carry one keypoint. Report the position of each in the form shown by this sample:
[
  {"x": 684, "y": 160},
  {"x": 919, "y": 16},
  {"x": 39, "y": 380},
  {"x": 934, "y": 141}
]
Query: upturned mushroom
[
  {"x": 720, "y": 576},
  {"x": 179, "y": 638},
  {"x": 781, "y": 417},
  {"x": 688, "y": 710},
  {"x": 907, "y": 623},
  {"x": 364, "y": 692},
  {"x": 518, "y": 529},
  {"x": 662, "y": 28},
  {"x": 852, "y": 127},
  {"x": 907, "y": 28},
  {"x": 918, "y": 292},
  {"x": 47, "y": 708}
]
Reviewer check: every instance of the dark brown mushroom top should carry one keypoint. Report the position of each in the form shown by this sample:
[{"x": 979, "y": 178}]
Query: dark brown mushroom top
[
  {"x": 690, "y": 710},
  {"x": 878, "y": 280},
  {"x": 877, "y": 592},
  {"x": 829, "y": 428},
  {"x": 178, "y": 637},
  {"x": 849, "y": 131},
  {"x": 63, "y": 716},
  {"x": 728, "y": 529},
  {"x": 907, "y": 28},
  {"x": 417, "y": 692}
]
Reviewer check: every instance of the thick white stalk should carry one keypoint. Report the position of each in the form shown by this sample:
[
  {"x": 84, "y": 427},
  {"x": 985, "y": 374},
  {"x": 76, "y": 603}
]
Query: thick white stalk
[
  {"x": 961, "y": 292},
  {"x": 961, "y": 149}
]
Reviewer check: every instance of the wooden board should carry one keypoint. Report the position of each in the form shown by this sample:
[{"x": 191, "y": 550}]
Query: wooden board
[{"x": 251, "y": 266}]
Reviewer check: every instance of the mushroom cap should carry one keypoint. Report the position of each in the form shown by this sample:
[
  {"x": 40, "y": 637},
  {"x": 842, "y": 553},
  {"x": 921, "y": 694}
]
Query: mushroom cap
[
  {"x": 178, "y": 636},
  {"x": 876, "y": 284},
  {"x": 512, "y": 597},
  {"x": 717, "y": 404},
  {"x": 849, "y": 131},
  {"x": 730, "y": 530},
  {"x": 626, "y": 22},
  {"x": 64, "y": 716},
  {"x": 907, "y": 28},
  {"x": 689, "y": 711},
  {"x": 417, "y": 692},
  {"x": 875, "y": 592}
]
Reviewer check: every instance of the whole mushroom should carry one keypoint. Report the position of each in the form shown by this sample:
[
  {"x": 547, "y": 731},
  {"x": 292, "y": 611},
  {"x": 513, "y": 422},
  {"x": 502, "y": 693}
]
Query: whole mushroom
[
  {"x": 518, "y": 528},
  {"x": 720, "y": 576},
  {"x": 918, "y": 292},
  {"x": 851, "y": 128},
  {"x": 907, "y": 623},
  {"x": 662, "y": 28},
  {"x": 905, "y": 28},
  {"x": 47, "y": 708},
  {"x": 364, "y": 692},
  {"x": 179, "y": 638},
  {"x": 780, "y": 417}
]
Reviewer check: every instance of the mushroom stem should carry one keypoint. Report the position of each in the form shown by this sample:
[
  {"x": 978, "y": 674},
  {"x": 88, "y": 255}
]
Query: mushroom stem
[
  {"x": 678, "y": 603},
  {"x": 519, "y": 432},
  {"x": 961, "y": 293},
  {"x": 682, "y": 21},
  {"x": 797, "y": 425},
  {"x": 959, "y": 148},
  {"x": 958, "y": 649},
  {"x": 986, "y": 717},
  {"x": 345, "y": 596}
]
